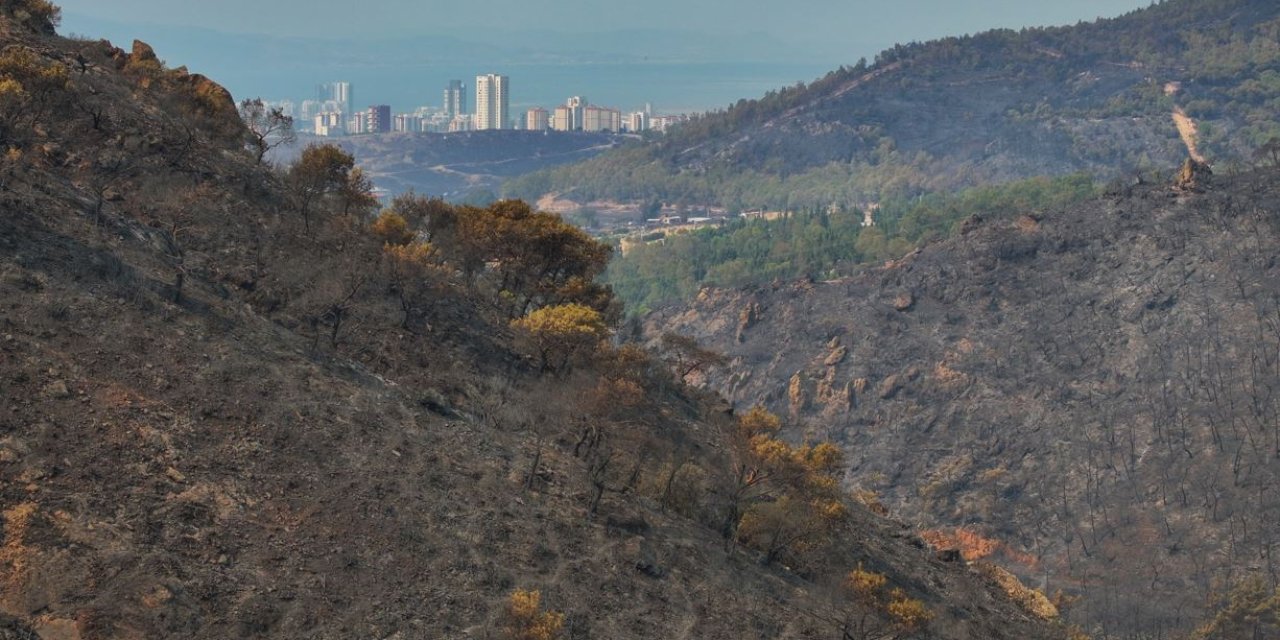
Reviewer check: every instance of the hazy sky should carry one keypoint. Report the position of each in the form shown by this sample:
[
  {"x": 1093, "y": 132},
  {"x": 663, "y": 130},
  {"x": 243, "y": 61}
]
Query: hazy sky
[
  {"x": 792, "y": 20},
  {"x": 803, "y": 39}
]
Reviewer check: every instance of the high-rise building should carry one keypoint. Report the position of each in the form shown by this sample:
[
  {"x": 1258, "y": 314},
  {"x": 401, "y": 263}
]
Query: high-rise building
[
  {"x": 407, "y": 123},
  {"x": 344, "y": 96},
  {"x": 339, "y": 92},
  {"x": 358, "y": 123},
  {"x": 537, "y": 119},
  {"x": 492, "y": 102},
  {"x": 562, "y": 120},
  {"x": 310, "y": 108},
  {"x": 455, "y": 98},
  {"x": 329, "y": 124},
  {"x": 577, "y": 112},
  {"x": 638, "y": 121},
  {"x": 601, "y": 119},
  {"x": 380, "y": 118}
]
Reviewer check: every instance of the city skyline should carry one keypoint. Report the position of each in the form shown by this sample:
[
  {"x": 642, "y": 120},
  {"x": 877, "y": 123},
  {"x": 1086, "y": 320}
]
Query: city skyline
[{"x": 331, "y": 112}]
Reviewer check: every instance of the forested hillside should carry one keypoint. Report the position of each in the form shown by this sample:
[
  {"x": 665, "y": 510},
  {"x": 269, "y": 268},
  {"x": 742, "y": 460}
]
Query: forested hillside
[
  {"x": 242, "y": 402},
  {"x": 994, "y": 107},
  {"x": 667, "y": 267}
]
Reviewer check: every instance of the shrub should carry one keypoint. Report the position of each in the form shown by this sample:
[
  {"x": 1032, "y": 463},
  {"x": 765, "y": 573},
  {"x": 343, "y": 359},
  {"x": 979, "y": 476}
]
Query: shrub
[
  {"x": 393, "y": 229},
  {"x": 527, "y": 621}
]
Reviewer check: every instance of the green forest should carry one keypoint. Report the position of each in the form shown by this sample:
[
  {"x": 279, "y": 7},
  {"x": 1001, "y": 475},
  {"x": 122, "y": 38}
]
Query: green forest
[{"x": 818, "y": 243}]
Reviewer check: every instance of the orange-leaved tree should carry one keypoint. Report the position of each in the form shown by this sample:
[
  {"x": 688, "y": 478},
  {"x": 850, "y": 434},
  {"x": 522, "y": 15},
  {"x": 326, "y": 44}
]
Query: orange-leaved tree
[
  {"x": 392, "y": 228},
  {"x": 323, "y": 171},
  {"x": 531, "y": 259},
  {"x": 30, "y": 85},
  {"x": 525, "y": 619},
  {"x": 558, "y": 334},
  {"x": 876, "y": 612},
  {"x": 784, "y": 500}
]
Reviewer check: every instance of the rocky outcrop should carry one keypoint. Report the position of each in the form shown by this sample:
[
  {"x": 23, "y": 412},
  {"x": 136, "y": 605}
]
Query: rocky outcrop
[
  {"x": 1194, "y": 176},
  {"x": 747, "y": 319},
  {"x": 143, "y": 52},
  {"x": 797, "y": 394}
]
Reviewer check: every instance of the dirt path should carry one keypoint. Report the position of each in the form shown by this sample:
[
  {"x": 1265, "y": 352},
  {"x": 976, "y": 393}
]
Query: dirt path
[{"x": 1187, "y": 129}]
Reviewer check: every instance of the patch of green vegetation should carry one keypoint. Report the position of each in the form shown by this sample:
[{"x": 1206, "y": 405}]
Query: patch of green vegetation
[{"x": 817, "y": 243}]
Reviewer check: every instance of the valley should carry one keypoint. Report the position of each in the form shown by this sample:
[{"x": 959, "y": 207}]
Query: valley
[{"x": 977, "y": 340}]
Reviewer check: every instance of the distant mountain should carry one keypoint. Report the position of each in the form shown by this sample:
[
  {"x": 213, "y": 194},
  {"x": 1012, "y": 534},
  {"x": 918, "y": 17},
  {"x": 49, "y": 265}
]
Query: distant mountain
[
  {"x": 455, "y": 165},
  {"x": 1105, "y": 97}
]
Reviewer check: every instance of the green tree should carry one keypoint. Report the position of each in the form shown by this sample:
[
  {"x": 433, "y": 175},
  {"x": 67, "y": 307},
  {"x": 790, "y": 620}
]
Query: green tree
[{"x": 1269, "y": 151}]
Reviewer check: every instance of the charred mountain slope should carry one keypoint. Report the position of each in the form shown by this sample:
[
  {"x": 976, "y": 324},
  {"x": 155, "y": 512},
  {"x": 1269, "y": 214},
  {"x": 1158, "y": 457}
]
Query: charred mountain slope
[
  {"x": 219, "y": 418},
  {"x": 1093, "y": 393}
]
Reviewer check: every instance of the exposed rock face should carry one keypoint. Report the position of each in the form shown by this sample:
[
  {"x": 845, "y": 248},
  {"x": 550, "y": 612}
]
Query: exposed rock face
[
  {"x": 837, "y": 355},
  {"x": 1194, "y": 176},
  {"x": 1113, "y": 362},
  {"x": 748, "y": 318},
  {"x": 797, "y": 395},
  {"x": 142, "y": 52}
]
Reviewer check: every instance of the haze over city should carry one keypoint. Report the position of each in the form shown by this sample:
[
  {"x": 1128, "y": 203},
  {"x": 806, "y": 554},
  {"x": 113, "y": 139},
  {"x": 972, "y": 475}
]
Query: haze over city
[{"x": 681, "y": 57}]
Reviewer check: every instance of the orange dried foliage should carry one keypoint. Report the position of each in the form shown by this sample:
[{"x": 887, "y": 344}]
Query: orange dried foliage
[{"x": 974, "y": 546}]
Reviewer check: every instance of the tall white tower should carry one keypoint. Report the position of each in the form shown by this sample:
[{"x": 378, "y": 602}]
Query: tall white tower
[
  {"x": 342, "y": 95},
  {"x": 577, "y": 111},
  {"x": 492, "y": 102}
]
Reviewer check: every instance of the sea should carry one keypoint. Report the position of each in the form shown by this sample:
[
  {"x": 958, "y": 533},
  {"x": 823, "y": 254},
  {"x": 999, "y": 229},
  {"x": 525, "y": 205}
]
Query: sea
[{"x": 680, "y": 77}]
